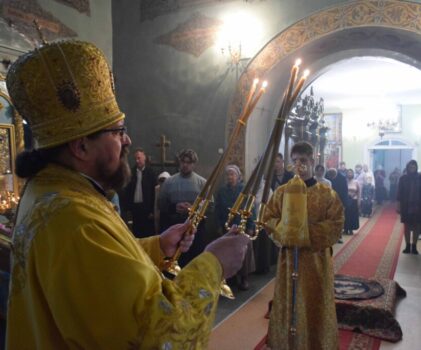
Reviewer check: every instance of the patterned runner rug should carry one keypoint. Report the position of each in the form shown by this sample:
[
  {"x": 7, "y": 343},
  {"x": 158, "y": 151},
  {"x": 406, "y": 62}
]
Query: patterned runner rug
[{"x": 372, "y": 254}]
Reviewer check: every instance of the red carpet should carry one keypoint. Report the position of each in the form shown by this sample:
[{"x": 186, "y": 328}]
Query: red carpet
[{"x": 372, "y": 253}]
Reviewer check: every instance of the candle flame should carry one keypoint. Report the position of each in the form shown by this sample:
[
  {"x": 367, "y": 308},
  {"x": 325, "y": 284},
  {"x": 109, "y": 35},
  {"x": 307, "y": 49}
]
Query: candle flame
[
  {"x": 306, "y": 73},
  {"x": 255, "y": 81},
  {"x": 298, "y": 62},
  {"x": 264, "y": 84}
]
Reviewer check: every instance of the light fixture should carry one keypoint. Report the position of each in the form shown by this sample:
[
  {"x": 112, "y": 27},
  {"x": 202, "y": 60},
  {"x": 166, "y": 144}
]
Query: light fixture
[
  {"x": 239, "y": 38},
  {"x": 384, "y": 126},
  {"x": 388, "y": 120},
  {"x": 234, "y": 53}
]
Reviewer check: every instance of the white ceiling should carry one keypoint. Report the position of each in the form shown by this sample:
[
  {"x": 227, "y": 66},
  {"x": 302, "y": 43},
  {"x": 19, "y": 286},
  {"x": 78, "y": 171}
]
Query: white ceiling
[{"x": 368, "y": 82}]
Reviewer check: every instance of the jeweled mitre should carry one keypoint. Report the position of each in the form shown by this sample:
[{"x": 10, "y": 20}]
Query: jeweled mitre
[{"x": 64, "y": 90}]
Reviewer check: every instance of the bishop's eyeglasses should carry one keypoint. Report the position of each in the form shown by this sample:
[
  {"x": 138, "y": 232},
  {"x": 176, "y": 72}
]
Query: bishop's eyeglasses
[{"x": 122, "y": 130}]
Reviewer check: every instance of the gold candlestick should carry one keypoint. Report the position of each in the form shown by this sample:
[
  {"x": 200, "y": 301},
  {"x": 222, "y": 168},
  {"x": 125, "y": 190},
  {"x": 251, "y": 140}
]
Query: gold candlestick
[{"x": 200, "y": 205}]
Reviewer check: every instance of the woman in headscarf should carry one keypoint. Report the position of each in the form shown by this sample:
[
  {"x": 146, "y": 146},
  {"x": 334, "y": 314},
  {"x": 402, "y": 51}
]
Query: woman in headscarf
[{"x": 225, "y": 198}]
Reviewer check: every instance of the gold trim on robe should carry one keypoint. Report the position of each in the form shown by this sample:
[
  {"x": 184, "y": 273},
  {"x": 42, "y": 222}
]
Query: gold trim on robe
[
  {"x": 80, "y": 279},
  {"x": 316, "y": 322}
]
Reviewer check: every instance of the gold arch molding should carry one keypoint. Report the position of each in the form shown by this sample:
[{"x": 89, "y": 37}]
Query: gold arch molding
[{"x": 394, "y": 14}]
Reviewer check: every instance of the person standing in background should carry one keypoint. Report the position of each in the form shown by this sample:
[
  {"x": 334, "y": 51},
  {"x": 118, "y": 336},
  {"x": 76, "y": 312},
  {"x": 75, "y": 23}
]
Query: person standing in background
[
  {"x": 224, "y": 200},
  {"x": 161, "y": 179},
  {"x": 339, "y": 185},
  {"x": 409, "y": 205},
  {"x": 359, "y": 175},
  {"x": 342, "y": 169},
  {"x": 367, "y": 198},
  {"x": 380, "y": 192},
  {"x": 139, "y": 196},
  {"x": 393, "y": 180},
  {"x": 177, "y": 195},
  {"x": 265, "y": 251},
  {"x": 281, "y": 176},
  {"x": 319, "y": 175},
  {"x": 352, "y": 220}
]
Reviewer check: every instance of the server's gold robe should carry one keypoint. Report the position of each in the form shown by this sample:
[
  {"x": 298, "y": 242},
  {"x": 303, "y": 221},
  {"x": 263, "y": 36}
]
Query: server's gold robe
[
  {"x": 80, "y": 280},
  {"x": 315, "y": 304}
]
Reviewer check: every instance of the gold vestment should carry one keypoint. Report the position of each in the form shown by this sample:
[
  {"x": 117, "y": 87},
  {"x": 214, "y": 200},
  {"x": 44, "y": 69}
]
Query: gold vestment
[
  {"x": 80, "y": 280},
  {"x": 315, "y": 304}
]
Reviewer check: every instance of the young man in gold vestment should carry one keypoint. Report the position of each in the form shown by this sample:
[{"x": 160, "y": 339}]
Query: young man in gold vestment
[
  {"x": 80, "y": 279},
  {"x": 310, "y": 310}
]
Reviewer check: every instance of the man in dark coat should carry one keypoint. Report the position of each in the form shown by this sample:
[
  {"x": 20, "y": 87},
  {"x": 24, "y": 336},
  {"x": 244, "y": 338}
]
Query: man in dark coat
[
  {"x": 281, "y": 176},
  {"x": 139, "y": 196},
  {"x": 408, "y": 205},
  {"x": 340, "y": 185}
]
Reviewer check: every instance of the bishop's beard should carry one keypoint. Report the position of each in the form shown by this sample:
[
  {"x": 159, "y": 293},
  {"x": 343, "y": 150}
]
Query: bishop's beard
[{"x": 120, "y": 178}]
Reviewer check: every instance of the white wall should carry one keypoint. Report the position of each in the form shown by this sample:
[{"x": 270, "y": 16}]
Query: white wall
[{"x": 358, "y": 137}]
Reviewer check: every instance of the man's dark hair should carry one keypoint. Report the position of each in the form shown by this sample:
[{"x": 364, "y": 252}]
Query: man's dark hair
[
  {"x": 280, "y": 155},
  {"x": 319, "y": 167},
  {"x": 302, "y": 148},
  {"x": 189, "y": 154},
  {"x": 331, "y": 173},
  {"x": 29, "y": 163},
  {"x": 411, "y": 162}
]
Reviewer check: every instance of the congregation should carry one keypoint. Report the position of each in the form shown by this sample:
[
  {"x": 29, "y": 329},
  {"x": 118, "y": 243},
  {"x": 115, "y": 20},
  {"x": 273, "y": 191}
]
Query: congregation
[
  {"x": 108, "y": 243},
  {"x": 152, "y": 202}
]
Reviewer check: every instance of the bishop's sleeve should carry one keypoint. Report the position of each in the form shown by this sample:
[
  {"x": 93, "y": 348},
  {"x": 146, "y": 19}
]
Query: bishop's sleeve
[
  {"x": 325, "y": 233},
  {"x": 152, "y": 247},
  {"x": 103, "y": 292}
]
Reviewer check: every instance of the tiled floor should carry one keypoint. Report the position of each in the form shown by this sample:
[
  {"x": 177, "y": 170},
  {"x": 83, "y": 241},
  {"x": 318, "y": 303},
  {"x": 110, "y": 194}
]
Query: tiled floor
[{"x": 408, "y": 310}]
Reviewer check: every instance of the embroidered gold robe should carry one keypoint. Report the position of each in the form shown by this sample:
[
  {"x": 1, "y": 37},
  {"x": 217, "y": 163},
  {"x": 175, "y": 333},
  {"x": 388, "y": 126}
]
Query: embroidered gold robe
[
  {"x": 81, "y": 280},
  {"x": 315, "y": 304}
]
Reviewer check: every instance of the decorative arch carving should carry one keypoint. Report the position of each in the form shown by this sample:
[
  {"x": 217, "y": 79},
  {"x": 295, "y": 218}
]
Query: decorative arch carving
[{"x": 393, "y": 14}]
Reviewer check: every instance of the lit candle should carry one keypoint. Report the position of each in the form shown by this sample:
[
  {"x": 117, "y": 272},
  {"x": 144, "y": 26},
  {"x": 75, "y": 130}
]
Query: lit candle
[
  {"x": 256, "y": 99},
  {"x": 251, "y": 93},
  {"x": 299, "y": 86},
  {"x": 293, "y": 77}
]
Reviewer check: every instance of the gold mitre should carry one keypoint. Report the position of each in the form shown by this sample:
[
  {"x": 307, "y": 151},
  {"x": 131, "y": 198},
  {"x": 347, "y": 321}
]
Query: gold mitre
[{"x": 64, "y": 90}]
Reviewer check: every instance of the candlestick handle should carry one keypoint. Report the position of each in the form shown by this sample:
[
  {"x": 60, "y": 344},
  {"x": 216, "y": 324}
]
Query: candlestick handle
[
  {"x": 259, "y": 223},
  {"x": 234, "y": 210},
  {"x": 246, "y": 213}
]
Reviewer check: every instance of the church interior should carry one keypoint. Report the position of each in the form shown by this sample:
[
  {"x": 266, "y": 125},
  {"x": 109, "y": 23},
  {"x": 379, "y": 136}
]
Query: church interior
[{"x": 183, "y": 73}]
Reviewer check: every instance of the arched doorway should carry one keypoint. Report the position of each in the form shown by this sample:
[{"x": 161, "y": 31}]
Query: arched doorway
[
  {"x": 361, "y": 28},
  {"x": 389, "y": 154}
]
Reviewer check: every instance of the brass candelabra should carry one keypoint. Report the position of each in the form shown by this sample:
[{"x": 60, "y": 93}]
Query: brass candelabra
[
  {"x": 198, "y": 209},
  {"x": 265, "y": 167}
]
